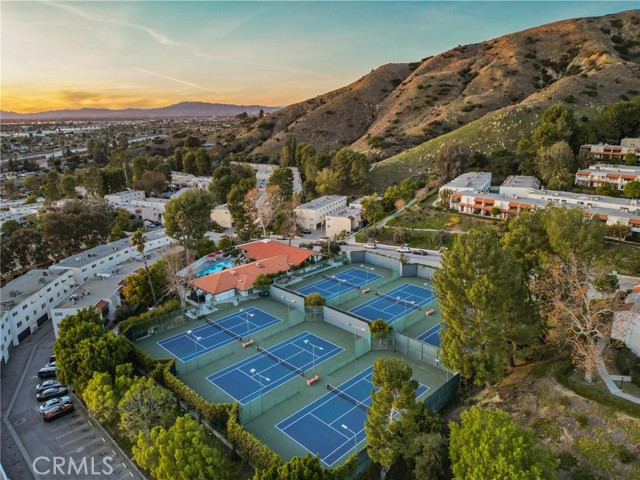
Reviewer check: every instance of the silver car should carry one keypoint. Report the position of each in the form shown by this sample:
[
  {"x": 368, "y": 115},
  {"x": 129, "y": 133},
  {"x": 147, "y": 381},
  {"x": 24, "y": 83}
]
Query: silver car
[
  {"x": 54, "y": 402},
  {"x": 48, "y": 384}
]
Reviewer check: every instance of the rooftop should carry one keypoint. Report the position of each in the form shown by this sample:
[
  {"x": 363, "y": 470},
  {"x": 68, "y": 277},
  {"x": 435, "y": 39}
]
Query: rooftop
[
  {"x": 349, "y": 211},
  {"x": 607, "y": 168},
  {"x": 469, "y": 180},
  {"x": 89, "y": 256},
  {"x": 322, "y": 202},
  {"x": 241, "y": 277},
  {"x": 26, "y": 285},
  {"x": 521, "y": 181},
  {"x": 264, "y": 249}
]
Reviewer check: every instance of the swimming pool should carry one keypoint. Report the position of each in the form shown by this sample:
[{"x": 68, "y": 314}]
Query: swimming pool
[{"x": 215, "y": 268}]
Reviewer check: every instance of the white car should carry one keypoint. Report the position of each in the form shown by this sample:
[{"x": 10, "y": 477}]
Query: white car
[
  {"x": 403, "y": 250},
  {"x": 370, "y": 246}
]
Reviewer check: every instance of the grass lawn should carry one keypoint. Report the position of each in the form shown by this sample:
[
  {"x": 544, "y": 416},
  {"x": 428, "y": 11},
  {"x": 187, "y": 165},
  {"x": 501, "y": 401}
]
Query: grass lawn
[
  {"x": 624, "y": 257},
  {"x": 430, "y": 217}
]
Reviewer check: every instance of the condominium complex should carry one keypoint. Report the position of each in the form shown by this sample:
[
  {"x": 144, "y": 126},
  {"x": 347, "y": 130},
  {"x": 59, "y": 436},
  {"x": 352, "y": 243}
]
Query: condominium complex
[
  {"x": 347, "y": 220},
  {"x": 471, "y": 181},
  {"x": 311, "y": 215},
  {"x": 614, "y": 152},
  {"x": 134, "y": 201},
  {"x": 615, "y": 175}
]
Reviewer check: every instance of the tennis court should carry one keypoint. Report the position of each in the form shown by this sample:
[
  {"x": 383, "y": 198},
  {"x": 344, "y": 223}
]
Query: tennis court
[
  {"x": 335, "y": 285},
  {"x": 333, "y": 425},
  {"x": 193, "y": 343},
  {"x": 270, "y": 368},
  {"x": 431, "y": 336},
  {"x": 395, "y": 304}
]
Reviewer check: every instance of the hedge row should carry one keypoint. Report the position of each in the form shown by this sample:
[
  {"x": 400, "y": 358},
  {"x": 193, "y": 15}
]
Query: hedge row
[
  {"x": 594, "y": 393},
  {"x": 215, "y": 414},
  {"x": 145, "y": 319},
  {"x": 248, "y": 446}
]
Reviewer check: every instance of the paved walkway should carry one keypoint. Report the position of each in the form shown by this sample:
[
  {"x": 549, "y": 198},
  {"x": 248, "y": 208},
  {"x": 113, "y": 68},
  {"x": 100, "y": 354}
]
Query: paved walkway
[{"x": 610, "y": 379}]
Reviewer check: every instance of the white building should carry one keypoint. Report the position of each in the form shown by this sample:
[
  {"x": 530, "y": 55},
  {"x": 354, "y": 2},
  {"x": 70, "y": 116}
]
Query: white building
[
  {"x": 471, "y": 181},
  {"x": 134, "y": 201},
  {"x": 626, "y": 321},
  {"x": 519, "y": 184},
  {"x": 614, "y": 152},
  {"x": 311, "y": 215},
  {"x": 615, "y": 175},
  {"x": 347, "y": 220},
  {"x": 186, "y": 180},
  {"x": 27, "y": 302},
  {"x": 104, "y": 258},
  {"x": 222, "y": 216}
]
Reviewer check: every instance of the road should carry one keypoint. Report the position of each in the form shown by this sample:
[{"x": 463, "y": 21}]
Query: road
[{"x": 29, "y": 445}]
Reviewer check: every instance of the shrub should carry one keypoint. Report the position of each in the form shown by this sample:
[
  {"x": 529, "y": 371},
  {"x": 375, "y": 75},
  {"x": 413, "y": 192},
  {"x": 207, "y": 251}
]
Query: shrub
[
  {"x": 546, "y": 427},
  {"x": 622, "y": 361},
  {"x": 248, "y": 446},
  {"x": 624, "y": 454},
  {"x": 567, "y": 460},
  {"x": 582, "y": 420}
]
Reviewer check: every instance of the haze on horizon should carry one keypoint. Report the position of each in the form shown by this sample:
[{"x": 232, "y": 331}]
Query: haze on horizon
[{"x": 58, "y": 55}]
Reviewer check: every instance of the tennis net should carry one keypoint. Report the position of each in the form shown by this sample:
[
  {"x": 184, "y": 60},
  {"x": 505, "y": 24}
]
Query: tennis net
[
  {"x": 399, "y": 300},
  {"x": 223, "y": 329},
  {"x": 267, "y": 353},
  {"x": 339, "y": 280},
  {"x": 347, "y": 397}
]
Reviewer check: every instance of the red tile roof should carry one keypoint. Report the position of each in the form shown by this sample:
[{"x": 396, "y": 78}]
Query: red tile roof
[
  {"x": 263, "y": 249},
  {"x": 241, "y": 277}
]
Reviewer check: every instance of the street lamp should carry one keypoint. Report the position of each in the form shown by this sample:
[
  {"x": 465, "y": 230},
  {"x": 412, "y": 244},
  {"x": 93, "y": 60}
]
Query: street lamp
[
  {"x": 195, "y": 339},
  {"x": 355, "y": 438},
  {"x": 313, "y": 354},
  {"x": 247, "y": 315},
  {"x": 255, "y": 373}
]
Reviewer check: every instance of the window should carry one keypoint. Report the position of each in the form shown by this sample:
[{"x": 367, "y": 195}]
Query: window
[
  {"x": 24, "y": 307},
  {"x": 49, "y": 289},
  {"x": 19, "y": 324},
  {"x": 27, "y": 319},
  {"x": 14, "y": 314},
  {"x": 44, "y": 305},
  {"x": 84, "y": 269},
  {"x": 56, "y": 284}
]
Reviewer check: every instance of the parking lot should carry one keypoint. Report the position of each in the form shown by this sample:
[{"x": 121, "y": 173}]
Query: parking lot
[{"x": 72, "y": 446}]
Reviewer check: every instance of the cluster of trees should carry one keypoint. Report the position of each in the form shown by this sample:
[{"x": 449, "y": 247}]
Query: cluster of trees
[
  {"x": 166, "y": 444},
  {"x": 549, "y": 151},
  {"x": 324, "y": 173},
  {"x": 77, "y": 225},
  {"x": 485, "y": 444},
  {"x": 504, "y": 294},
  {"x": 375, "y": 208},
  {"x": 196, "y": 161}
]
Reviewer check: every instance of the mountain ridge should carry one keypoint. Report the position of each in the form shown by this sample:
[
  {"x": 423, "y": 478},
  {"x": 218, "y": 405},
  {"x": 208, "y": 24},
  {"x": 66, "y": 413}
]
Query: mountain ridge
[
  {"x": 182, "y": 109},
  {"x": 584, "y": 63}
]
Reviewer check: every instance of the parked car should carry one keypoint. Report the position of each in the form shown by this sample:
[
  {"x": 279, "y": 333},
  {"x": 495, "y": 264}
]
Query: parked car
[
  {"x": 343, "y": 242},
  {"x": 306, "y": 232},
  {"x": 403, "y": 249},
  {"x": 57, "y": 412},
  {"x": 420, "y": 252},
  {"x": 282, "y": 238},
  {"x": 51, "y": 363},
  {"x": 51, "y": 393},
  {"x": 52, "y": 358},
  {"x": 371, "y": 246},
  {"x": 47, "y": 372},
  {"x": 53, "y": 402},
  {"x": 48, "y": 384}
]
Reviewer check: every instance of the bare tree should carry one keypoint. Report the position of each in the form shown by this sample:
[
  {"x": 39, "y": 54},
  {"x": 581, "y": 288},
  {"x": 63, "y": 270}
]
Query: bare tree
[
  {"x": 265, "y": 205},
  {"x": 179, "y": 262},
  {"x": 578, "y": 321}
]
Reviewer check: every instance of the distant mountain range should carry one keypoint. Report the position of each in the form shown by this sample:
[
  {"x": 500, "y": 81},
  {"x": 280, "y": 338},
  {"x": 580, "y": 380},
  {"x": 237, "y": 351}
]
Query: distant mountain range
[{"x": 183, "y": 109}]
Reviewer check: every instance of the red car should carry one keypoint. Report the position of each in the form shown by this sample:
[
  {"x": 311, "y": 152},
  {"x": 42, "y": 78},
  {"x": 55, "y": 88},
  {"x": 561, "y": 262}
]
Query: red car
[{"x": 57, "y": 412}]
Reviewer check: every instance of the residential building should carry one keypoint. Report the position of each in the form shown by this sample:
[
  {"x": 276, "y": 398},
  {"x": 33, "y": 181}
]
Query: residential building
[
  {"x": 222, "y": 216},
  {"x": 519, "y": 184},
  {"x": 270, "y": 258},
  {"x": 471, "y": 181},
  {"x": 614, "y": 152},
  {"x": 103, "y": 258},
  {"x": 615, "y": 175},
  {"x": 134, "y": 201},
  {"x": 347, "y": 220},
  {"x": 186, "y": 180},
  {"x": 609, "y": 209},
  {"x": 311, "y": 215},
  {"x": 27, "y": 302},
  {"x": 124, "y": 197}
]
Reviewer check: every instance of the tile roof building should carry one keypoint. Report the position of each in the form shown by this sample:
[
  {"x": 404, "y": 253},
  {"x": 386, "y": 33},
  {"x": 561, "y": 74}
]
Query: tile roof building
[{"x": 615, "y": 175}]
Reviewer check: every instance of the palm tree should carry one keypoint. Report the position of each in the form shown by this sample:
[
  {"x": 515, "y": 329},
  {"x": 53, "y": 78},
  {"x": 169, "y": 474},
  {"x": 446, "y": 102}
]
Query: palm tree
[{"x": 139, "y": 241}]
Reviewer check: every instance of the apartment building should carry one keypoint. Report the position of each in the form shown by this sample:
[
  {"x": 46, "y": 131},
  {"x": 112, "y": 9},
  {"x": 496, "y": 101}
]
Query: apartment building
[
  {"x": 615, "y": 175},
  {"x": 614, "y": 153},
  {"x": 186, "y": 180},
  {"x": 471, "y": 181},
  {"x": 134, "y": 201},
  {"x": 519, "y": 185},
  {"x": 311, "y": 215},
  {"x": 27, "y": 302},
  {"x": 347, "y": 220}
]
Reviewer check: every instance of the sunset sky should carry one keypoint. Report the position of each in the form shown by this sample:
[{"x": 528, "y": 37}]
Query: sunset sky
[{"x": 150, "y": 54}]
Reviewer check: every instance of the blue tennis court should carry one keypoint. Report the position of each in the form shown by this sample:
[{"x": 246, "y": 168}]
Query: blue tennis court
[
  {"x": 335, "y": 285},
  {"x": 332, "y": 425},
  {"x": 395, "y": 304},
  {"x": 187, "y": 346},
  {"x": 431, "y": 336},
  {"x": 266, "y": 370}
]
